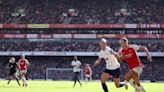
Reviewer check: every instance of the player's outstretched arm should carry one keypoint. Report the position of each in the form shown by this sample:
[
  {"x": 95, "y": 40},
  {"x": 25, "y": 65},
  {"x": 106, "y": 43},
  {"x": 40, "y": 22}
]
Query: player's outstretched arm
[
  {"x": 119, "y": 57},
  {"x": 27, "y": 62},
  {"x": 114, "y": 53},
  {"x": 97, "y": 62},
  {"x": 147, "y": 53}
]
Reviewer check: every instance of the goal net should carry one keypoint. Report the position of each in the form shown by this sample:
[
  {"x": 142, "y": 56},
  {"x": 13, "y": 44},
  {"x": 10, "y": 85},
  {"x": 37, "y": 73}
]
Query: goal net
[{"x": 62, "y": 74}]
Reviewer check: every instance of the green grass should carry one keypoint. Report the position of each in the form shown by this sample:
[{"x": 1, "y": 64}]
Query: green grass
[{"x": 66, "y": 86}]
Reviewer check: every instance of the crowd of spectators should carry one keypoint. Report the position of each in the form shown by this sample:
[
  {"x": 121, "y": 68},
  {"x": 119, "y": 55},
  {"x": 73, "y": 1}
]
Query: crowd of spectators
[
  {"x": 82, "y": 31},
  {"x": 81, "y": 11},
  {"x": 82, "y": 45}
]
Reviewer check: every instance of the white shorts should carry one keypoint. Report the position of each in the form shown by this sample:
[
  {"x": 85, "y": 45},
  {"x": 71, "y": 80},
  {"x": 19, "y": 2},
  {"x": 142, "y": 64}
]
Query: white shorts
[
  {"x": 88, "y": 75},
  {"x": 138, "y": 70},
  {"x": 23, "y": 71}
]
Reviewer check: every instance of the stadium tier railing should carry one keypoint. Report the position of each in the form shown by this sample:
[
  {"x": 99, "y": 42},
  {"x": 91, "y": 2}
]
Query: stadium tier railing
[
  {"x": 53, "y": 53},
  {"x": 78, "y": 36},
  {"x": 81, "y": 25}
]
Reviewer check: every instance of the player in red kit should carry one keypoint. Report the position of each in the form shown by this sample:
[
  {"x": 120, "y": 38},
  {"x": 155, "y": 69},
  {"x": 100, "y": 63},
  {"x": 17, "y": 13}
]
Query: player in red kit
[
  {"x": 88, "y": 73},
  {"x": 129, "y": 54},
  {"x": 23, "y": 65}
]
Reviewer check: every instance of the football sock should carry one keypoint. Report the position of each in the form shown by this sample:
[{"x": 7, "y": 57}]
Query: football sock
[{"x": 105, "y": 88}]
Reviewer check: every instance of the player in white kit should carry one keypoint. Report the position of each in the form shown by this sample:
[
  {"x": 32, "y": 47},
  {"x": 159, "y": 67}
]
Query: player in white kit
[
  {"x": 76, "y": 70},
  {"x": 112, "y": 66}
]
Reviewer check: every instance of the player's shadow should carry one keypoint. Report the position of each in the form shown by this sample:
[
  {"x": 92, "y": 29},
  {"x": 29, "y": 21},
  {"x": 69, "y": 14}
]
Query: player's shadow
[
  {"x": 8, "y": 86},
  {"x": 62, "y": 87}
]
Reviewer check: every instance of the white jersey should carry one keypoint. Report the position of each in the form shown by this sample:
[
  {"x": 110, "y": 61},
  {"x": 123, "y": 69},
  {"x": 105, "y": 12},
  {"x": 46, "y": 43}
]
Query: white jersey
[
  {"x": 76, "y": 66},
  {"x": 111, "y": 61}
]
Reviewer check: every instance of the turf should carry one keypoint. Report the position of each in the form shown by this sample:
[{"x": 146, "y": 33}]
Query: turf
[{"x": 66, "y": 86}]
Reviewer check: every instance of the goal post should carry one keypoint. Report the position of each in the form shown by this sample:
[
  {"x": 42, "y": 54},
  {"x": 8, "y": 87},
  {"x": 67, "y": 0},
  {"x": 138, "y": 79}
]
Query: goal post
[{"x": 62, "y": 74}]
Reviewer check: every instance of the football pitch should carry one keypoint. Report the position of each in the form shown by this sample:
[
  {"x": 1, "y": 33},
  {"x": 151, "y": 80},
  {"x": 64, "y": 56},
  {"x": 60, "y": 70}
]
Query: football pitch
[{"x": 66, "y": 86}]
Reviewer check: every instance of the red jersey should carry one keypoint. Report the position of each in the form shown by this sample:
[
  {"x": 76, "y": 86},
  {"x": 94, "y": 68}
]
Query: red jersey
[
  {"x": 22, "y": 64},
  {"x": 131, "y": 57},
  {"x": 88, "y": 71}
]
